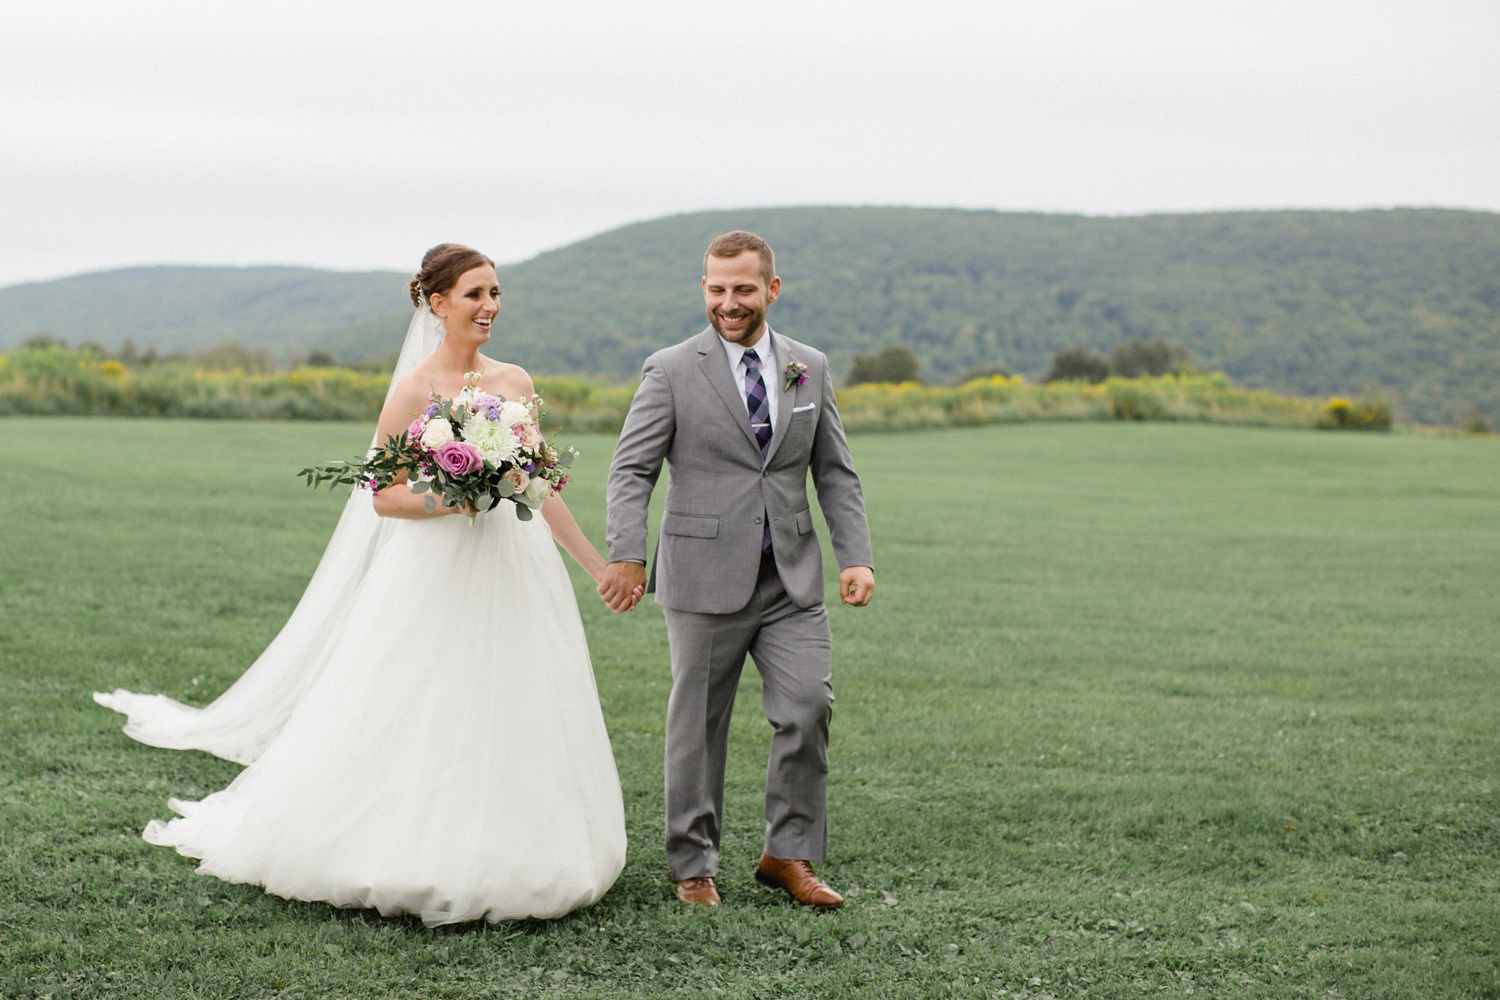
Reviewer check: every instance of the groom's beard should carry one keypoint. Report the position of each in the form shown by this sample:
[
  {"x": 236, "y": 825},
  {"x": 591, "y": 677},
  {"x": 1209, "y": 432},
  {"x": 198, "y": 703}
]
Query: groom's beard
[{"x": 757, "y": 320}]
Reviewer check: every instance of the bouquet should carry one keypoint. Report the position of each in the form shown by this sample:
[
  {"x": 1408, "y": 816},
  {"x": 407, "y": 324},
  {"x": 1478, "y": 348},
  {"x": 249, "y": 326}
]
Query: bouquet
[{"x": 474, "y": 449}]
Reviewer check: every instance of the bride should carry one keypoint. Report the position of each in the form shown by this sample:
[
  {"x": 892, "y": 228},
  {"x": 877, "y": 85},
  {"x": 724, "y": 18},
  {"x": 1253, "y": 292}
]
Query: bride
[{"x": 424, "y": 735}]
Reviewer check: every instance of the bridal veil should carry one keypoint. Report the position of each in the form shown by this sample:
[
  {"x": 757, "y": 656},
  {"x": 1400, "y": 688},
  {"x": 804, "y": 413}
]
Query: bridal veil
[{"x": 244, "y": 719}]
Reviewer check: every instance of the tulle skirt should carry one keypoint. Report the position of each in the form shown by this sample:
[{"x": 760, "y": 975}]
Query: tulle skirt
[{"x": 443, "y": 753}]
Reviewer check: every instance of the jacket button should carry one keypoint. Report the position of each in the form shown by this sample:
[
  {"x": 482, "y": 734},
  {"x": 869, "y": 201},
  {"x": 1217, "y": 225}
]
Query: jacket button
[{"x": 757, "y": 520}]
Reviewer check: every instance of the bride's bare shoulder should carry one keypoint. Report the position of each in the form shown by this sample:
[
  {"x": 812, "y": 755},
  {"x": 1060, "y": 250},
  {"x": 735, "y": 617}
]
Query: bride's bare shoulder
[
  {"x": 414, "y": 388},
  {"x": 508, "y": 380},
  {"x": 408, "y": 398}
]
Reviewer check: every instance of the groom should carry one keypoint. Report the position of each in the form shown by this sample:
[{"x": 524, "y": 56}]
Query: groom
[{"x": 741, "y": 414}]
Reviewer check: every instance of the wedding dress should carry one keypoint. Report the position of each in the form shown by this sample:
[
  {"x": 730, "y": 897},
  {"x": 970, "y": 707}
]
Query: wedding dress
[{"x": 424, "y": 736}]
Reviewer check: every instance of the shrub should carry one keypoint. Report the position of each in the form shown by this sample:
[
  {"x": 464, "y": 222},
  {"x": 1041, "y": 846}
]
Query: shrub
[
  {"x": 1207, "y": 398},
  {"x": 1475, "y": 422},
  {"x": 1072, "y": 364},
  {"x": 48, "y": 378},
  {"x": 894, "y": 364},
  {"x": 1371, "y": 413},
  {"x": 1136, "y": 357}
]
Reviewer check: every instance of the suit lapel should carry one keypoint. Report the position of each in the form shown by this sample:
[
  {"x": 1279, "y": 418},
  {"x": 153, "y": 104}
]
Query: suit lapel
[{"x": 715, "y": 367}]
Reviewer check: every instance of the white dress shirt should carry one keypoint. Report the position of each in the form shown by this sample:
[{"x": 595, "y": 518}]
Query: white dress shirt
[{"x": 769, "y": 373}]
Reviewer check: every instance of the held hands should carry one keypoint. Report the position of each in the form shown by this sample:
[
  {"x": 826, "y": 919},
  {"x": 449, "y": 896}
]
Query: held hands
[
  {"x": 622, "y": 585},
  {"x": 857, "y": 586}
]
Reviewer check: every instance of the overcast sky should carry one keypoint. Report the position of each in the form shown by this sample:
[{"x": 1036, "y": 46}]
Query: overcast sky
[{"x": 355, "y": 135}]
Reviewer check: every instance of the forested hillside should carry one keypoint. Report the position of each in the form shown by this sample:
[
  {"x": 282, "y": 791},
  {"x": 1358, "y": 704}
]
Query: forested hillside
[
  {"x": 1311, "y": 303},
  {"x": 287, "y": 309}
]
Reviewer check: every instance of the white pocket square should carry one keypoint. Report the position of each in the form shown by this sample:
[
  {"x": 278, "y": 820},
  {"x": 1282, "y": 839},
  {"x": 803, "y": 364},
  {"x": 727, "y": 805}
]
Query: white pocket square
[{"x": 804, "y": 408}]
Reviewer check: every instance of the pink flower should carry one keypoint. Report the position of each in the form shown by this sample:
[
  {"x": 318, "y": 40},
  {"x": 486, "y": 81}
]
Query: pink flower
[
  {"x": 458, "y": 458},
  {"x": 414, "y": 432}
]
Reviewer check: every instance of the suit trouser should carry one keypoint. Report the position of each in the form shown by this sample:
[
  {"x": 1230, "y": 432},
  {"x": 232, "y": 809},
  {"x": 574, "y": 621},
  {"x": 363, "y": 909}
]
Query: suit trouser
[{"x": 793, "y": 650}]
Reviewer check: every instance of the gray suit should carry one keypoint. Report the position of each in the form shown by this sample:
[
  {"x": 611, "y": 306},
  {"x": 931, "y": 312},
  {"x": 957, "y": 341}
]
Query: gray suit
[{"x": 720, "y": 601}]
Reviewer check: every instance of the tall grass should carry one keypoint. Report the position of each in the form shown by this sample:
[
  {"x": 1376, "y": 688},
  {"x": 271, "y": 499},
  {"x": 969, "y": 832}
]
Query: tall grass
[
  {"x": 1185, "y": 397},
  {"x": 51, "y": 379}
]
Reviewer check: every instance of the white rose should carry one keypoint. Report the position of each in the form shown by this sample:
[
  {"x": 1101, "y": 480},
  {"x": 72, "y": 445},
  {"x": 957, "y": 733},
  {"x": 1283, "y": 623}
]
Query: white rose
[
  {"x": 537, "y": 491},
  {"x": 438, "y": 433},
  {"x": 512, "y": 412}
]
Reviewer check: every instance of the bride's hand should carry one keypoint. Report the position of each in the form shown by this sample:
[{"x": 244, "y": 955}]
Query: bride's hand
[
  {"x": 622, "y": 585},
  {"x": 630, "y": 602}
]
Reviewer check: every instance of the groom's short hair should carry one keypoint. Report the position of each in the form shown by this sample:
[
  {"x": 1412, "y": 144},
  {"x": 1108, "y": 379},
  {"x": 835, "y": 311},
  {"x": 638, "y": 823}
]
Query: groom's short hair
[{"x": 735, "y": 243}]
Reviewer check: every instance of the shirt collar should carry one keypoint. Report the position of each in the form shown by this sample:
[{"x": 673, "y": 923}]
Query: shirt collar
[{"x": 765, "y": 348}]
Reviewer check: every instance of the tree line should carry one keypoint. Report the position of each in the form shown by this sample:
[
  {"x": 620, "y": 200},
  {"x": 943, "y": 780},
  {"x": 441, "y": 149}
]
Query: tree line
[{"x": 1401, "y": 303}]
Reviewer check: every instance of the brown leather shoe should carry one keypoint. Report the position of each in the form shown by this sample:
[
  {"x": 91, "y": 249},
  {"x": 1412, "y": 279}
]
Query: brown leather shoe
[
  {"x": 798, "y": 879},
  {"x": 698, "y": 891}
]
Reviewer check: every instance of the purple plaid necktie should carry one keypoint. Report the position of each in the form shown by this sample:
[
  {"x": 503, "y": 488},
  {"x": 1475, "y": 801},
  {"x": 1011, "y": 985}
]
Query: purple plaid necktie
[
  {"x": 755, "y": 400},
  {"x": 760, "y": 423}
]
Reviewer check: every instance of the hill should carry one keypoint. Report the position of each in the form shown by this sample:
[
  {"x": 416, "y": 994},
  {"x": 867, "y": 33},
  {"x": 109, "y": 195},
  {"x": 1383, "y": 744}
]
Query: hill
[
  {"x": 1314, "y": 303},
  {"x": 175, "y": 309}
]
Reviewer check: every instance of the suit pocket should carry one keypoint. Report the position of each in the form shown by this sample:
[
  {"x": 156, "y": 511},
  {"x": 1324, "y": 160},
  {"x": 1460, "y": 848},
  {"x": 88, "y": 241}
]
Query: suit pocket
[
  {"x": 690, "y": 525},
  {"x": 804, "y": 521}
]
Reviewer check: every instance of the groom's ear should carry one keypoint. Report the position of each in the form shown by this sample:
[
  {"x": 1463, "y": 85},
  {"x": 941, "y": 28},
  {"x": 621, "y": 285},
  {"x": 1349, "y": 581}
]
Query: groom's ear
[{"x": 773, "y": 289}]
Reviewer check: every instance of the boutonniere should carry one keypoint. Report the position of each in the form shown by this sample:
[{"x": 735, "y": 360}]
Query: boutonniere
[{"x": 796, "y": 374}]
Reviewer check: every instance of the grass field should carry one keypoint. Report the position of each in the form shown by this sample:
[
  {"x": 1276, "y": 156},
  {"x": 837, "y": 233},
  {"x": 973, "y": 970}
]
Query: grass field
[{"x": 1140, "y": 710}]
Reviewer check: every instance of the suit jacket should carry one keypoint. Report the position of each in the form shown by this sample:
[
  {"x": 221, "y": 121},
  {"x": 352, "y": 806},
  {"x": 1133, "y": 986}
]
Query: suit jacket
[{"x": 688, "y": 412}]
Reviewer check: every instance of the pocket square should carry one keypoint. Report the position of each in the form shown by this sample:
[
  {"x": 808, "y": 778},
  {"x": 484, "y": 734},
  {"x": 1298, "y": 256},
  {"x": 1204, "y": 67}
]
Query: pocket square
[{"x": 804, "y": 408}]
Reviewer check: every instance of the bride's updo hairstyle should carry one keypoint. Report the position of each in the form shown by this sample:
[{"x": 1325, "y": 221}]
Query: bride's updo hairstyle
[{"x": 442, "y": 266}]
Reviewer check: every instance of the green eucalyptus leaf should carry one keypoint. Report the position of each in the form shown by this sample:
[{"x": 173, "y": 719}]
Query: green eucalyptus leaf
[
  {"x": 421, "y": 486},
  {"x": 430, "y": 503},
  {"x": 523, "y": 512}
]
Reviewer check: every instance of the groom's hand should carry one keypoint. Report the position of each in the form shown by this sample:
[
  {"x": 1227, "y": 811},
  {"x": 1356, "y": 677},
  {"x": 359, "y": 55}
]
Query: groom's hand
[
  {"x": 857, "y": 585},
  {"x": 622, "y": 586}
]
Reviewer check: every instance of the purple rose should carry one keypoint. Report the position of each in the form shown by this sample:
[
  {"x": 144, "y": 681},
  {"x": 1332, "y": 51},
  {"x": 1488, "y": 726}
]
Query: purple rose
[
  {"x": 458, "y": 458},
  {"x": 414, "y": 431}
]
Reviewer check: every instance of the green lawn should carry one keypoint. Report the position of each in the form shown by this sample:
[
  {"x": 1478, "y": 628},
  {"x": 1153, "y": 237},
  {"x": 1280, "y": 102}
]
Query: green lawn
[{"x": 1140, "y": 709}]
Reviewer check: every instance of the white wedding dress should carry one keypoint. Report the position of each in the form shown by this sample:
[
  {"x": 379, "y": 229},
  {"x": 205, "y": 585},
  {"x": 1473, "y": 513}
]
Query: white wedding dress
[{"x": 423, "y": 737}]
